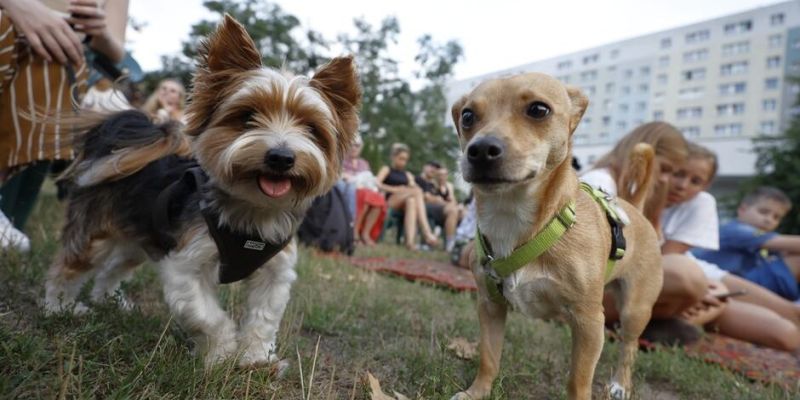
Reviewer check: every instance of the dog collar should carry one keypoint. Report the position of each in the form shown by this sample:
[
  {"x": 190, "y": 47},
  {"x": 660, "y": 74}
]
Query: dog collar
[
  {"x": 239, "y": 254},
  {"x": 499, "y": 269}
]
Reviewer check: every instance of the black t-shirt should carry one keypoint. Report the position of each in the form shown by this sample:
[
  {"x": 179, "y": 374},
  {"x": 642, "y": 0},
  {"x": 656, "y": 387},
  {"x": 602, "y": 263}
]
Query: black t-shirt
[{"x": 426, "y": 186}]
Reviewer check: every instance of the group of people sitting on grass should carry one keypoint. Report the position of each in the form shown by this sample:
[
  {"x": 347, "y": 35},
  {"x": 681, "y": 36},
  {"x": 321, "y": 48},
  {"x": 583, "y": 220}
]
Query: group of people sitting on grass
[
  {"x": 420, "y": 203},
  {"x": 703, "y": 263}
]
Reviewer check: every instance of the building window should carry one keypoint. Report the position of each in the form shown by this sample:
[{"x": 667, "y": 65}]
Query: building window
[
  {"x": 588, "y": 75},
  {"x": 564, "y": 65},
  {"x": 768, "y": 127},
  {"x": 771, "y": 83},
  {"x": 622, "y": 125},
  {"x": 732, "y": 88},
  {"x": 728, "y": 130},
  {"x": 641, "y": 106},
  {"x": 776, "y": 19},
  {"x": 643, "y": 88},
  {"x": 666, "y": 43},
  {"x": 658, "y": 96},
  {"x": 697, "y": 36},
  {"x": 775, "y": 41},
  {"x": 731, "y": 49},
  {"x": 581, "y": 138},
  {"x": 773, "y": 62},
  {"x": 628, "y": 73},
  {"x": 735, "y": 68},
  {"x": 625, "y": 90},
  {"x": 691, "y": 93},
  {"x": 695, "y": 55},
  {"x": 607, "y": 104},
  {"x": 589, "y": 90},
  {"x": 590, "y": 59},
  {"x": 661, "y": 79},
  {"x": 730, "y": 109},
  {"x": 623, "y": 107},
  {"x": 606, "y": 121},
  {"x": 694, "y": 74},
  {"x": 738, "y": 27},
  {"x": 563, "y": 78},
  {"x": 663, "y": 61},
  {"x": 610, "y": 87},
  {"x": 614, "y": 53},
  {"x": 769, "y": 105},
  {"x": 691, "y": 131},
  {"x": 658, "y": 115},
  {"x": 644, "y": 71},
  {"x": 690, "y": 112}
]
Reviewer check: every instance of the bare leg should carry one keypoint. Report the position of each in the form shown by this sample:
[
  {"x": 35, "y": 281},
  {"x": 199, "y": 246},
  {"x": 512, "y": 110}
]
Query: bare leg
[
  {"x": 763, "y": 297},
  {"x": 422, "y": 219},
  {"x": 792, "y": 260},
  {"x": 450, "y": 222},
  {"x": 684, "y": 285},
  {"x": 410, "y": 222},
  {"x": 358, "y": 222},
  {"x": 756, "y": 324},
  {"x": 369, "y": 222}
]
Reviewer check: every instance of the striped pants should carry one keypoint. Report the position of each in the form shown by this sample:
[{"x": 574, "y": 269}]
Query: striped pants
[{"x": 35, "y": 95}]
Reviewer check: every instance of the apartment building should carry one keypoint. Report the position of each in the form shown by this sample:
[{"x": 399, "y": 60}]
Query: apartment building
[{"x": 722, "y": 82}]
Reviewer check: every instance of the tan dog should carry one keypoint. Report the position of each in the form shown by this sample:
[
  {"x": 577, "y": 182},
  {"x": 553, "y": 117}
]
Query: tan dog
[{"x": 515, "y": 134}]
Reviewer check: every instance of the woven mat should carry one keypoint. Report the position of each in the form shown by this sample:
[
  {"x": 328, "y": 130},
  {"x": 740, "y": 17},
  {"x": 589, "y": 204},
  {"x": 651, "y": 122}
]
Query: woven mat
[
  {"x": 757, "y": 363},
  {"x": 433, "y": 272}
]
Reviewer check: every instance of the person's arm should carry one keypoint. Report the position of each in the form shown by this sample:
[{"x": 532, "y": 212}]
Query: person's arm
[
  {"x": 382, "y": 173},
  {"x": 451, "y": 193},
  {"x": 48, "y": 34},
  {"x": 784, "y": 243},
  {"x": 411, "y": 181},
  {"x": 105, "y": 25},
  {"x": 674, "y": 247}
]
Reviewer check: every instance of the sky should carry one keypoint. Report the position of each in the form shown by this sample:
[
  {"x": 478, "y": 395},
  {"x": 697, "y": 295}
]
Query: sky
[{"x": 495, "y": 34}]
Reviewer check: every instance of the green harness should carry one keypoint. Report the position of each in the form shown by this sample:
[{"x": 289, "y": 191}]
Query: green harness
[{"x": 497, "y": 269}]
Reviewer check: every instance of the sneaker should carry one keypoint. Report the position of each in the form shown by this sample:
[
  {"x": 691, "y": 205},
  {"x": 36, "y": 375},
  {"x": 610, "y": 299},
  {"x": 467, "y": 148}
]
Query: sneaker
[
  {"x": 11, "y": 237},
  {"x": 671, "y": 332}
]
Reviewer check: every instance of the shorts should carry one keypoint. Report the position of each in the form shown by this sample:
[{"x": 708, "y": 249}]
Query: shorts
[
  {"x": 711, "y": 271},
  {"x": 776, "y": 276}
]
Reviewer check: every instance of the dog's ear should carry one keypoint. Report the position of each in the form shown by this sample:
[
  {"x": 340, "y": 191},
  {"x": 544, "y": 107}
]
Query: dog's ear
[
  {"x": 456, "y": 113},
  {"x": 230, "y": 48},
  {"x": 578, "y": 103},
  {"x": 338, "y": 82},
  {"x": 225, "y": 52}
]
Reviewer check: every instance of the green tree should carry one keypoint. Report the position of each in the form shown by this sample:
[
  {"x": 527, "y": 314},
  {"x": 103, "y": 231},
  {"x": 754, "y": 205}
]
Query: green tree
[{"x": 778, "y": 165}]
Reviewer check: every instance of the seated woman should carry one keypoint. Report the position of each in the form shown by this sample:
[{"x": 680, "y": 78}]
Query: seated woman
[
  {"x": 370, "y": 205},
  {"x": 403, "y": 194},
  {"x": 453, "y": 211},
  {"x": 167, "y": 102}
]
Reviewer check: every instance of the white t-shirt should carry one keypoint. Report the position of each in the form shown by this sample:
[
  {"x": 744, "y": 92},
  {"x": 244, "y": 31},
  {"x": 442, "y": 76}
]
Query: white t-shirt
[
  {"x": 600, "y": 178},
  {"x": 693, "y": 222},
  {"x": 696, "y": 224}
]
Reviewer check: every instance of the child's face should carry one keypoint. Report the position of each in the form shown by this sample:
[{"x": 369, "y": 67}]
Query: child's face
[
  {"x": 689, "y": 180},
  {"x": 765, "y": 214}
]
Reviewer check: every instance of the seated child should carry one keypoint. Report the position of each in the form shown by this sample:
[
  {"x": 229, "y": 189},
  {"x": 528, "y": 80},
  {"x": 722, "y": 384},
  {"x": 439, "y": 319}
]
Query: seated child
[
  {"x": 750, "y": 248},
  {"x": 690, "y": 221}
]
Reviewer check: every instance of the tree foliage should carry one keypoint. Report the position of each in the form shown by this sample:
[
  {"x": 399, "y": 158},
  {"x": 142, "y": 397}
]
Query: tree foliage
[
  {"x": 392, "y": 110},
  {"x": 778, "y": 165}
]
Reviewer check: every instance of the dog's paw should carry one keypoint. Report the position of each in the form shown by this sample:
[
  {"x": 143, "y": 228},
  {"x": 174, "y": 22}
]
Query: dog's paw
[
  {"x": 256, "y": 354},
  {"x": 462, "y": 396},
  {"x": 214, "y": 355},
  {"x": 617, "y": 392}
]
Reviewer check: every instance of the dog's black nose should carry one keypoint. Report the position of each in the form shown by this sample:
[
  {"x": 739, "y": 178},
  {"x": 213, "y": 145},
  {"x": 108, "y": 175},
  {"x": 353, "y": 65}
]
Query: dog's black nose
[
  {"x": 485, "y": 151},
  {"x": 280, "y": 159}
]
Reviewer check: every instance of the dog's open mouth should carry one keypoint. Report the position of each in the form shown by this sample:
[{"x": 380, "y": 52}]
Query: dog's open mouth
[{"x": 274, "y": 186}]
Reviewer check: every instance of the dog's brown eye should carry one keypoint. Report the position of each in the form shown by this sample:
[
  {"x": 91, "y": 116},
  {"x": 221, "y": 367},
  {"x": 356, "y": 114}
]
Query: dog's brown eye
[
  {"x": 538, "y": 110},
  {"x": 467, "y": 118}
]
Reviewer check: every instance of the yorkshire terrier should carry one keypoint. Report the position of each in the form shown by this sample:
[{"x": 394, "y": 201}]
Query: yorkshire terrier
[{"x": 215, "y": 201}]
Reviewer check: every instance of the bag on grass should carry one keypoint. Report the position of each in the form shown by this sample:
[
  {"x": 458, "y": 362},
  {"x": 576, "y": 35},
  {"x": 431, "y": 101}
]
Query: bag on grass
[{"x": 328, "y": 224}]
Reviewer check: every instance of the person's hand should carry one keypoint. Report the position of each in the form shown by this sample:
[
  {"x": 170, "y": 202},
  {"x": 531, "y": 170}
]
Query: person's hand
[
  {"x": 49, "y": 35},
  {"x": 87, "y": 17}
]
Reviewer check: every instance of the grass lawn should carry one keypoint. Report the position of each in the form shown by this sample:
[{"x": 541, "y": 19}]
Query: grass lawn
[{"x": 340, "y": 323}]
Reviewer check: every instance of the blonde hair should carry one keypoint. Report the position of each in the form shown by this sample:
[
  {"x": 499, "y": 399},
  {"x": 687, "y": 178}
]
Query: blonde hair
[
  {"x": 152, "y": 104},
  {"x": 667, "y": 142},
  {"x": 697, "y": 151},
  {"x": 398, "y": 148}
]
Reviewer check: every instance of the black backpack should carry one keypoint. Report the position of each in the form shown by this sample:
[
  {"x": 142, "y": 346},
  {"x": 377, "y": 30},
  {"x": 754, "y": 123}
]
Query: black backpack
[{"x": 328, "y": 224}]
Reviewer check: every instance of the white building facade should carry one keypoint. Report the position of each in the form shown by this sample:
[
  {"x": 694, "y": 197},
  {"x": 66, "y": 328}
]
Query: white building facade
[{"x": 722, "y": 82}]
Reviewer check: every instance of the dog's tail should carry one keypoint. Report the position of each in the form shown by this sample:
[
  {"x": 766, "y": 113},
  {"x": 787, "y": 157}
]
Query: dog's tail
[
  {"x": 640, "y": 175},
  {"x": 120, "y": 145}
]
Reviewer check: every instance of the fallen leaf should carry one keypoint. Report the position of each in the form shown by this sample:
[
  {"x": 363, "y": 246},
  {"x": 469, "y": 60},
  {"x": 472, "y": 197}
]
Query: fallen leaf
[
  {"x": 463, "y": 348},
  {"x": 377, "y": 392},
  {"x": 326, "y": 277}
]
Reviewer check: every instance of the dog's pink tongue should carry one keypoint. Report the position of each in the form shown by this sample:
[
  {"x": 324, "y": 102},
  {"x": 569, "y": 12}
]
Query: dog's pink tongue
[{"x": 274, "y": 187}]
